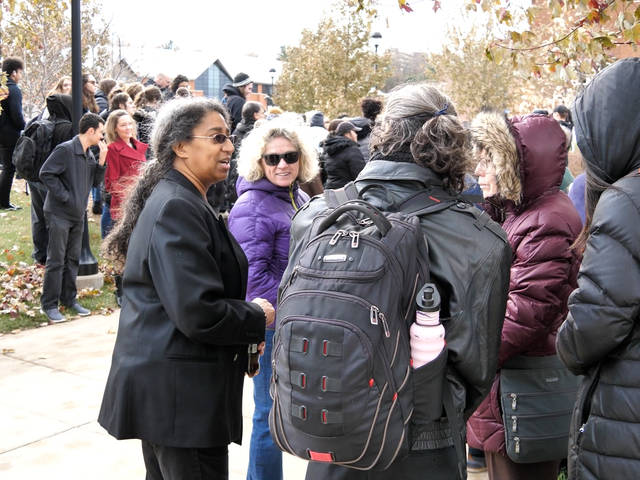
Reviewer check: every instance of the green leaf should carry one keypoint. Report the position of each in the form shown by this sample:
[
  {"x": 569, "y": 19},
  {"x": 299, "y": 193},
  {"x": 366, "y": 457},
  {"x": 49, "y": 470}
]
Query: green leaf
[{"x": 604, "y": 41}]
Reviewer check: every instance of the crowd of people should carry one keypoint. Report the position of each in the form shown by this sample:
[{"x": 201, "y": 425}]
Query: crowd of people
[{"x": 205, "y": 203}]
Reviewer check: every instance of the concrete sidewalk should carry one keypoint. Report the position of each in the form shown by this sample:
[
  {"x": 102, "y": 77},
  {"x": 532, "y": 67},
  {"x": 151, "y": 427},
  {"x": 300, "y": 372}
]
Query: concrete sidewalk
[{"x": 51, "y": 384}]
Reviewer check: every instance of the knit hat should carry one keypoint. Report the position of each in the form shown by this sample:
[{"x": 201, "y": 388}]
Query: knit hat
[{"x": 241, "y": 79}]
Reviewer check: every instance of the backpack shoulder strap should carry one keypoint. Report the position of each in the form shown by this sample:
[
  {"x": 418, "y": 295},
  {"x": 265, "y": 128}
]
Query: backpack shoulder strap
[
  {"x": 337, "y": 197},
  {"x": 423, "y": 203}
]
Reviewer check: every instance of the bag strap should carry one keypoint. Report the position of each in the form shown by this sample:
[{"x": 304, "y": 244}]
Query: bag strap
[
  {"x": 337, "y": 197},
  {"x": 456, "y": 427}
]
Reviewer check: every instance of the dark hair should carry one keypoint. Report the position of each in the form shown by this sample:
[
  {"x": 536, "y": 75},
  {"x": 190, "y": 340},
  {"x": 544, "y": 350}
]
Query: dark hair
[
  {"x": 595, "y": 185},
  {"x": 177, "y": 81},
  {"x": 541, "y": 111},
  {"x": 90, "y": 120},
  {"x": 175, "y": 123},
  {"x": 183, "y": 92},
  {"x": 106, "y": 85},
  {"x": 119, "y": 99},
  {"x": 88, "y": 98},
  {"x": 564, "y": 112},
  {"x": 249, "y": 109},
  {"x": 149, "y": 95},
  {"x": 371, "y": 107},
  {"x": 421, "y": 119},
  {"x": 11, "y": 64},
  {"x": 333, "y": 124},
  {"x": 133, "y": 89}
]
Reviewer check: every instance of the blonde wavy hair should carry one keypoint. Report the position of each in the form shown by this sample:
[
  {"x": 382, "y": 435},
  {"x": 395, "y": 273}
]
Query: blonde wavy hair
[
  {"x": 112, "y": 123},
  {"x": 254, "y": 145}
]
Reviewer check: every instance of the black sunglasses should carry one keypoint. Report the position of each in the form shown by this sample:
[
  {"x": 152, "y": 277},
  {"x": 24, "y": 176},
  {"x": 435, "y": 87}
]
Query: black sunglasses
[
  {"x": 218, "y": 138},
  {"x": 273, "y": 159}
]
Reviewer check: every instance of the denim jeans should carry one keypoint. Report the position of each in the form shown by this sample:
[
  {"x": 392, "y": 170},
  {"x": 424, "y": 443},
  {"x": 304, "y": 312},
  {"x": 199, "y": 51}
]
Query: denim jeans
[
  {"x": 96, "y": 194},
  {"x": 63, "y": 256},
  {"x": 106, "y": 222},
  {"x": 265, "y": 459},
  {"x": 39, "y": 231}
]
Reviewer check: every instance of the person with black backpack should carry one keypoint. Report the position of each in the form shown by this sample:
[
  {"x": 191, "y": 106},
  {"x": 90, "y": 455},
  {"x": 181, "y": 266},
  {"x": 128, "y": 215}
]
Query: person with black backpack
[
  {"x": 346, "y": 395},
  {"x": 54, "y": 130}
]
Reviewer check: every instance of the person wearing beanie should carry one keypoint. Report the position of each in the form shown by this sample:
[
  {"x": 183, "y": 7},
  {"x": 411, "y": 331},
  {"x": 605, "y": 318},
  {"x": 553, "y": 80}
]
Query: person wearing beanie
[{"x": 236, "y": 97}]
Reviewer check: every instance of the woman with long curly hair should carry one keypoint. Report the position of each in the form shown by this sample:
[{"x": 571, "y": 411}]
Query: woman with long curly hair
[{"x": 181, "y": 352}]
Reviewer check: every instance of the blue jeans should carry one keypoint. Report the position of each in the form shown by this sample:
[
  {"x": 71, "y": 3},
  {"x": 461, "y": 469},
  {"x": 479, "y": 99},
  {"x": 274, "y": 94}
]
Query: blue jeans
[
  {"x": 106, "y": 222},
  {"x": 265, "y": 459},
  {"x": 96, "y": 194}
]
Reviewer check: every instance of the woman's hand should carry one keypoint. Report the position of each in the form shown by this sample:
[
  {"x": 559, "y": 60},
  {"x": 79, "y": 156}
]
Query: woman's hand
[{"x": 267, "y": 308}]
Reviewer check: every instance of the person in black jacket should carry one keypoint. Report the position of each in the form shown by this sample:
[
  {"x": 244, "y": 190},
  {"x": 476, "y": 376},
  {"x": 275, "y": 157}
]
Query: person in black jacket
[
  {"x": 11, "y": 124},
  {"x": 343, "y": 160},
  {"x": 236, "y": 97},
  {"x": 59, "y": 107},
  {"x": 420, "y": 154},
  {"x": 600, "y": 338},
  {"x": 179, "y": 360},
  {"x": 69, "y": 173}
]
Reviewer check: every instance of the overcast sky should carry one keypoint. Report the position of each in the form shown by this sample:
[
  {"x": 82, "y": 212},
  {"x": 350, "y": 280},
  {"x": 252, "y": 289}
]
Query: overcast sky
[{"x": 262, "y": 26}]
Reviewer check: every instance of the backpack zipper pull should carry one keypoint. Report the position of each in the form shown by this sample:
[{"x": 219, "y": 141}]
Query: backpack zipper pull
[
  {"x": 517, "y": 440},
  {"x": 336, "y": 237},
  {"x": 355, "y": 239},
  {"x": 514, "y": 426},
  {"x": 514, "y": 401},
  {"x": 387, "y": 332},
  {"x": 373, "y": 315}
]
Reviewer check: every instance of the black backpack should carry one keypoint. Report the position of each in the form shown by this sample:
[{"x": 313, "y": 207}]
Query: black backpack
[
  {"x": 33, "y": 147},
  {"x": 342, "y": 383}
]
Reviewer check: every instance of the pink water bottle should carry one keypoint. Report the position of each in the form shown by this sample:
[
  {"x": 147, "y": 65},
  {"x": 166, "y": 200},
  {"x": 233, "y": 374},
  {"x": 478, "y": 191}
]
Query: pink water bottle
[{"x": 426, "y": 333}]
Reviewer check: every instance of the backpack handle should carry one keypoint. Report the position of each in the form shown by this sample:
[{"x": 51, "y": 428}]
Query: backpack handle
[{"x": 361, "y": 206}]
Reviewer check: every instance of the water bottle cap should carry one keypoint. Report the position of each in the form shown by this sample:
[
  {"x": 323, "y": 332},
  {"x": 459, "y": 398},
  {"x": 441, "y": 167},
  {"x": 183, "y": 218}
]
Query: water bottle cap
[{"x": 428, "y": 298}]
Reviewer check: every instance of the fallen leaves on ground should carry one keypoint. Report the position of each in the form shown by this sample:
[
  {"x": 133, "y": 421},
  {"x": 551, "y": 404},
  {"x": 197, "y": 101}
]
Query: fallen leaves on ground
[{"x": 21, "y": 288}]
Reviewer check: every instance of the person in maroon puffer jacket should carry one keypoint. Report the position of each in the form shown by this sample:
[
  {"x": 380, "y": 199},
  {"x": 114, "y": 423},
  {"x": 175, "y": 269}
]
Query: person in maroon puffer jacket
[
  {"x": 273, "y": 159},
  {"x": 521, "y": 163}
]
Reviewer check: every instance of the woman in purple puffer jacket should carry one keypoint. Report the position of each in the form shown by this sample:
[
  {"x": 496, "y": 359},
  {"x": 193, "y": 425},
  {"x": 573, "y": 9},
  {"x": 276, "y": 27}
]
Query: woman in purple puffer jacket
[{"x": 273, "y": 159}]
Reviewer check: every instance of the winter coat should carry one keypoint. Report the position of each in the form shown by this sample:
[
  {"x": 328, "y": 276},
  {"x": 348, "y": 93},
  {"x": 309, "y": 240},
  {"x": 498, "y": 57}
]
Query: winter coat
[
  {"x": 60, "y": 107},
  {"x": 11, "y": 118},
  {"x": 541, "y": 223},
  {"x": 601, "y": 336},
  {"x": 343, "y": 161},
  {"x": 469, "y": 260},
  {"x": 242, "y": 130},
  {"x": 144, "y": 118},
  {"x": 234, "y": 105},
  {"x": 101, "y": 100},
  {"x": 178, "y": 364},
  {"x": 69, "y": 173},
  {"x": 124, "y": 163},
  {"x": 576, "y": 194},
  {"x": 260, "y": 222}
]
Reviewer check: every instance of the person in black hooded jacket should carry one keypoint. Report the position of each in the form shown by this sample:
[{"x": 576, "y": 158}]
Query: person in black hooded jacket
[
  {"x": 59, "y": 107},
  {"x": 600, "y": 338},
  {"x": 343, "y": 159}
]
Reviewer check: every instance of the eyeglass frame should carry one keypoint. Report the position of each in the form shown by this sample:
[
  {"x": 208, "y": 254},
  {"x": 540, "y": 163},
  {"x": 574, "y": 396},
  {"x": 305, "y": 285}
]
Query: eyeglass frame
[
  {"x": 280, "y": 156},
  {"x": 231, "y": 138}
]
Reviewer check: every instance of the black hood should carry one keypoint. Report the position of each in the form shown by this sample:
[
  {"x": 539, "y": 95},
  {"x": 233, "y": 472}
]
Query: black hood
[
  {"x": 333, "y": 145},
  {"x": 230, "y": 90},
  {"x": 60, "y": 106},
  {"x": 607, "y": 120},
  {"x": 364, "y": 124}
]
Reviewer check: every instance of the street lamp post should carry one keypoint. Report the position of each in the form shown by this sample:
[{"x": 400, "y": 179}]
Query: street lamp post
[
  {"x": 376, "y": 38},
  {"x": 272, "y": 71}
]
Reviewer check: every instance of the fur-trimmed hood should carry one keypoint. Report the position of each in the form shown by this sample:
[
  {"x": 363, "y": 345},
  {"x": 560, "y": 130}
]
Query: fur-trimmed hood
[{"x": 529, "y": 153}]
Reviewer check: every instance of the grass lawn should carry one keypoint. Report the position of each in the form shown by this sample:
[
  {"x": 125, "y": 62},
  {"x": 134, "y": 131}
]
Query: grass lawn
[{"x": 21, "y": 278}]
